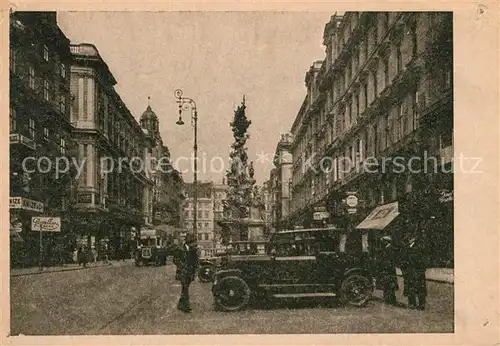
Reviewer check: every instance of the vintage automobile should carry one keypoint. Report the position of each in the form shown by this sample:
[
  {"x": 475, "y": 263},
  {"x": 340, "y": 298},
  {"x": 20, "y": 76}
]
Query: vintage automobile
[
  {"x": 298, "y": 264},
  {"x": 151, "y": 249},
  {"x": 208, "y": 266}
]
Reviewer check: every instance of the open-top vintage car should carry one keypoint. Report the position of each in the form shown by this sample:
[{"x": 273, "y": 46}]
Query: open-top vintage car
[
  {"x": 208, "y": 266},
  {"x": 298, "y": 264}
]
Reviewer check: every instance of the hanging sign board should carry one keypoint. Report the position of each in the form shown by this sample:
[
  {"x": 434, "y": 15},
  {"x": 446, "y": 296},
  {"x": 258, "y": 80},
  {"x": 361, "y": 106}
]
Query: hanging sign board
[
  {"x": 45, "y": 224},
  {"x": 351, "y": 201}
]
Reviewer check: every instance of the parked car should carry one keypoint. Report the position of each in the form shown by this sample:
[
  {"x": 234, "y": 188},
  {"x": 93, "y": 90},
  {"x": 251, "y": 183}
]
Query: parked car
[
  {"x": 297, "y": 264},
  {"x": 208, "y": 266},
  {"x": 150, "y": 249}
]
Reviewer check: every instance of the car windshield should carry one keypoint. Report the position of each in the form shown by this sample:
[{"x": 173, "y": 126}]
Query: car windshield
[
  {"x": 248, "y": 248},
  {"x": 304, "y": 243},
  {"x": 148, "y": 242}
]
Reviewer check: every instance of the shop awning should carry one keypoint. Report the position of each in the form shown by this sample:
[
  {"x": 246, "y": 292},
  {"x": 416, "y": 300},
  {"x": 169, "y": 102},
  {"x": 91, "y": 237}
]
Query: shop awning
[{"x": 380, "y": 217}]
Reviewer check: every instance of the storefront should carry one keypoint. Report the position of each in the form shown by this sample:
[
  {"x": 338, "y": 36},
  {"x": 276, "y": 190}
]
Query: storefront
[
  {"x": 381, "y": 221},
  {"x": 24, "y": 244}
]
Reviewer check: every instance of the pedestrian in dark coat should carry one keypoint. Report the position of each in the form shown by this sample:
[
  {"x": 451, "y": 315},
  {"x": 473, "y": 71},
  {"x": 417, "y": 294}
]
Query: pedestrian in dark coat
[
  {"x": 387, "y": 277},
  {"x": 82, "y": 257},
  {"x": 186, "y": 260},
  {"x": 414, "y": 267}
]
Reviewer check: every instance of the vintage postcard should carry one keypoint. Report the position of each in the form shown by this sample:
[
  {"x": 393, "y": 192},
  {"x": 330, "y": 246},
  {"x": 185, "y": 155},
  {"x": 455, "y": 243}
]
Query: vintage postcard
[{"x": 185, "y": 173}]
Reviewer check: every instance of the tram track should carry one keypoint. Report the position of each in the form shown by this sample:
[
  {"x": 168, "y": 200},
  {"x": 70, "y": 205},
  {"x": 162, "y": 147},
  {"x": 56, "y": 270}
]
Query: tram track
[{"x": 134, "y": 307}]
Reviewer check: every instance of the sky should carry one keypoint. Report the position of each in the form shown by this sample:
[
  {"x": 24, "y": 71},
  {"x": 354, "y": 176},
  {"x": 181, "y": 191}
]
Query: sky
[{"x": 215, "y": 58}]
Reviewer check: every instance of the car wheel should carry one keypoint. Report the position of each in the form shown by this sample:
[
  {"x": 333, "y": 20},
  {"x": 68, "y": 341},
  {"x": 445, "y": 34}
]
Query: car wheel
[
  {"x": 205, "y": 273},
  {"x": 356, "y": 290},
  {"x": 231, "y": 293}
]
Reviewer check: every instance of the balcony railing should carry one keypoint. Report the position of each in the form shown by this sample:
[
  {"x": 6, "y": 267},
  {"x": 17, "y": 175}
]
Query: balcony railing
[
  {"x": 16, "y": 138},
  {"x": 84, "y": 50}
]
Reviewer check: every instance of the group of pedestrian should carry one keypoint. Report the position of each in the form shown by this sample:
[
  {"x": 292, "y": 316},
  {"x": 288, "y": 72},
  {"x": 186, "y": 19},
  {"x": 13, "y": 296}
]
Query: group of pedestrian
[{"x": 410, "y": 257}]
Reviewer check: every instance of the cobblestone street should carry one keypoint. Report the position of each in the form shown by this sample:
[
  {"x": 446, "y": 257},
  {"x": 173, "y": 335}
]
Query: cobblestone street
[{"x": 125, "y": 300}]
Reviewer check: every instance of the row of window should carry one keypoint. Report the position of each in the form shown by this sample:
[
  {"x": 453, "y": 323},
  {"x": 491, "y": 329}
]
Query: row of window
[
  {"x": 359, "y": 101},
  {"x": 49, "y": 90},
  {"x": 203, "y": 236},
  {"x": 111, "y": 124},
  {"x": 202, "y": 214},
  {"x": 201, "y": 225},
  {"x": 201, "y": 205},
  {"x": 360, "y": 97},
  {"x": 60, "y": 67},
  {"x": 386, "y": 131},
  {"x": 124, "y": 189},
  {"x": 30, "y": 130},
  {"x": 386, "y": 193}
]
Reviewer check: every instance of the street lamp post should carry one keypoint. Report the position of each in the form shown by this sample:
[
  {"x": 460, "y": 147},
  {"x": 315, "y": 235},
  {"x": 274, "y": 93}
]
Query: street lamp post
[{"x": 186, "y": 103}]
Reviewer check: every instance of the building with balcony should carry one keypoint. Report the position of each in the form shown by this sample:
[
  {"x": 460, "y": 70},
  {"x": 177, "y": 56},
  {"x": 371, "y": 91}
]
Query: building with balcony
[
  {"x": 305, "y": 147},
  {"x": 383, "y": 91},
  {"x": 204, "y": 217},
  {"x": 113, "y": 192},
  {"x": 40, "y": 130}
]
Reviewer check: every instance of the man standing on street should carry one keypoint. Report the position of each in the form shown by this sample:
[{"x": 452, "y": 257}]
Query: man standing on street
[
  {"x": 186, "y": 261},
  {"x": 387, "y": 277},
  {"x": 415, "y": 286}
]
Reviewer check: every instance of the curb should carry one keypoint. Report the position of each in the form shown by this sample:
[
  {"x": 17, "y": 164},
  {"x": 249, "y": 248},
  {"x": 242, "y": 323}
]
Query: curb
[{"x": 60, "y": 270}]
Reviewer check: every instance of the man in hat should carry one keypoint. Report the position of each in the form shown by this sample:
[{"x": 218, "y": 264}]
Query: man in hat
[
  {"x": 414, "y": 267},
  {"x": 387, "y": 276},
  {"x": 186, "y": 260}
]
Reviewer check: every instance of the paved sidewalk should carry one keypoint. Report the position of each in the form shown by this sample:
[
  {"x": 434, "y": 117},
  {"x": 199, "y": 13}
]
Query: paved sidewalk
[
  {"x": 445, "y": 275},
  {"x": 440, "y": 296},
  {"x": 67, "y": 267}
]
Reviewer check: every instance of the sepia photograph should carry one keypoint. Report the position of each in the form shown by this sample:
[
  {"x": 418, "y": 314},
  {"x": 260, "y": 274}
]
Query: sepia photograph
[{"x": 233, "y": 172}]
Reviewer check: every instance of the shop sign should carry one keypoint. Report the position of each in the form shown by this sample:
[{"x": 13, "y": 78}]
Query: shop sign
[
  {"x": 446, "y": 196},
  {"x": 352, "y": 210},
  {"x": 45, "y": 224},
  {"x": 351, "y": 201},
  {"x": 320, "y": 209},
  {"x": 25, "y": 203},
  {"x": 85, "y": 198}
]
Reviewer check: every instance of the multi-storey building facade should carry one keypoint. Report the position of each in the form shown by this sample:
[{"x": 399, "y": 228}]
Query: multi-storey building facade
[
  {"x": 303, "y": 147},
  {"x": 40, "y": 129},
  {"x": 168, "y": 189},
  {"x": 113, "y": 192},
  {"x": 205, "y": 214},
  {"x": 383, "y": 91},
  {"x": 282, "y": 180}
]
